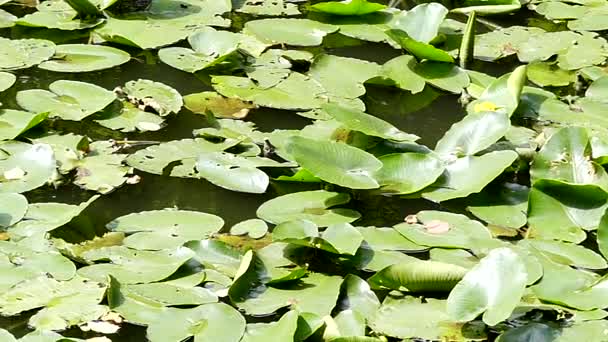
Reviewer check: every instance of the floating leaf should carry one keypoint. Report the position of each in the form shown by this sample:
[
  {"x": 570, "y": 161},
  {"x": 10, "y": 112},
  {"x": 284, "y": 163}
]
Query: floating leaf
[
  {"x": 493, "y": 287},
  {"x": 24, "y": 53},
  {"x": 68, "y": 100},
  {"x": 6, "y": 80},
  {"x": 406, "y": 173},
  {"x": 297, "y": 32},
  {"x": 341, "y": 164},
  {"x": 283, "y": 329},
  {"x": 218, "y": 105},
  {"x": 36, "y": 161},
  {"x": 308, "y": 205},
  {"x": 160, "y": 97},
  {"x": 13, "y": 123},
  {"x": 340, "y": 238},
  {"x": 352, "y": 7},
  {"x": 165, "y": 229},
  {"x": 419, "y": 49},
  {"x": 255, "y": 228},
  {"x": 84, "y": 58},
  {"x": 419, "y": 276}
]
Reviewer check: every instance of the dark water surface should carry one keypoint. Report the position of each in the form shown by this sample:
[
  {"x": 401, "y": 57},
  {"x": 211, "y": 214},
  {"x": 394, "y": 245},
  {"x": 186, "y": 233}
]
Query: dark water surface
[{"x": 408, "y": 112}]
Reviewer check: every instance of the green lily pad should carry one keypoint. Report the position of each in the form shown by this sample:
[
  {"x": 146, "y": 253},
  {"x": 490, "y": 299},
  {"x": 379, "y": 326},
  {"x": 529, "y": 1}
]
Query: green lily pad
[
  {"x": 506, "y": 206},
  {"x": 297, "y": 32},
  {"x": 58, "y": 15},
  {"x": 462, "y": 232},
  {"x": 14, "y": 208},
  {"x": 6, "y": 80},
  {"x": 218, "y": 105},
  {"x": 365, "y": 123},
  {"x": 216, "y": 255},
  {"x": 406, "y": 173},
  {"x": 341, "y": 164},
  {"x": 131, "y": 266},
  {"x": 26, "y": 166},
  {"x": 162, "y": 98},
  {"x": 284, "y": 329},
  {"x": 308, "y": 205},
  {"x": 354, "y": 7},
  {"x": 255, "y": 228},
  {"x": 566, "y": 253},
  {"x": 165, "y": 229},
  {"x": 342, "y": 77},
  {"x": 422, "y": 22},
  {"x": 456, "y": 183},
  {"x": 546, "y": 74},
  {"x": 130, "y": 119},
  {"x": 68, "y": 100},
  {"x": 419, "y": 276},
  {"x": 422, "y": 51},
  {"x": 340, "y": 238},
  {"x": 444, "y": 76},
  {"x": 235, "y": 172},
  {"x": 400, "y": 72},
  {"x": 13, "y": 123},
  {"x": 84, "y": 58},
  {"x": 493, "y": 287},
  {"x": 24, "y": 53},
  {"x": 6, "y": 19},
  {"x": 297, "y": 91}
]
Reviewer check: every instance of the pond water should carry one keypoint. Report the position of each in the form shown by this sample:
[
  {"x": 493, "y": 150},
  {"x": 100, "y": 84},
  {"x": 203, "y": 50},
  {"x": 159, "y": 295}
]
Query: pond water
[{"x": 428, "y": 114}]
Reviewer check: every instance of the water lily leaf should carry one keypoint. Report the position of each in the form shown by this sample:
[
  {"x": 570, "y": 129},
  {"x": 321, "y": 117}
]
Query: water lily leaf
[
  {"x": 308, "y": 205},
  {"x": 13, "y": 123},
  {"x": 419, "y": 49},
  {"x": 266, "y": 7},
  {"x": 133, "y": 266},
  {"x": 14, "y": 207},
  {"x": 7, "y": 19},
  {"x": 209, "y": 322},
  {"x": 165, "y": 229},
  {"x": 255, "y": 228},
  {"x": 101, "y": 170},
  {"x": 547, "y": 74},
  {"x": 44, "y": 217},
  {"x": 602, "y": 235},
  {"x": 7, "y": 336},
  {"x": 463, "y": 232},
  {"x": 160, "y": 97},
  {"x": 422, "y": 22},
  {"x": 216, "y": 255},
  {"x": 406, "y": 173},
  {"x": 566, "y": 253},
  {"x": 283, "y": 329},
  {"x": 296, "y": 92},
  {"x": 563, "y": 285},
  {"x": 6, "y": 80},
  {"x": 297, "y": 32},
  {"x": 365, "y": 123},
  {"x": 444, "y": 76},
  {"x": 59, "y": 15},
  {"x": 84, "y": 58},
  {"x": 130, "y": 118},
  {"x": 341, "y": 164},
  {"x": 456, "y": 183},
  {"x": 23, "y": 264},
  {"x": 154, "y": 159},
  {"x": 409, "y": 317},
  {"x": 235, "y": 172},
  {"x": 218, "y": 105},
  {"x": 158, "y": 33},
  {"x": 340, "y": 238},
  {"x": 26, "y": 166},
  {"x": 474, "y": 133},
  {"x": 316, "y": 293},
  {"x": 505, "y": 207},
  {"x": 400, "y": 71},
  {"x": 387, "y": 239},
  {"x": 493, "y": 287},
  {"x": 574, "y": 207},
  {"x": 68, "y": 100},
  {"x": 341, "y": 76},
  {"x": 354, "y": 7},
  {"x": 24, "y": 53},
  {"x": 419, "y": 276},
  {"x": 566, "y": 157},
  {"x": 169, "y": 294},
  {"x": 357, "y": 296},
  {"x": 502, "y": 94}
]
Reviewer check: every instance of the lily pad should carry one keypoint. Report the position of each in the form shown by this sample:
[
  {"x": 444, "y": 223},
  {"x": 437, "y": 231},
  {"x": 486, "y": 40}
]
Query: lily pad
[
  {"x": 84, "y": 58},
  {"x": 13, "y": 123},
  {"x": 68, "y": 100},
  {"x": 297, "y": 32},
  {"x": 341, "y": 164},
  {"x": 26, "y": 166},
  {"x": 24, "y": 53},
  {"x": 165, "y": 229},
  {"x": 308, "y": 205},
  {"x": 406, "y": 173},
  {"x": 6, "y": 80},
  {"x": 218, "y": 105},
  {"x": 255, "y": 228},
  {"x": 352, "y": 7},
  {"x": 158, "y": 96}
]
